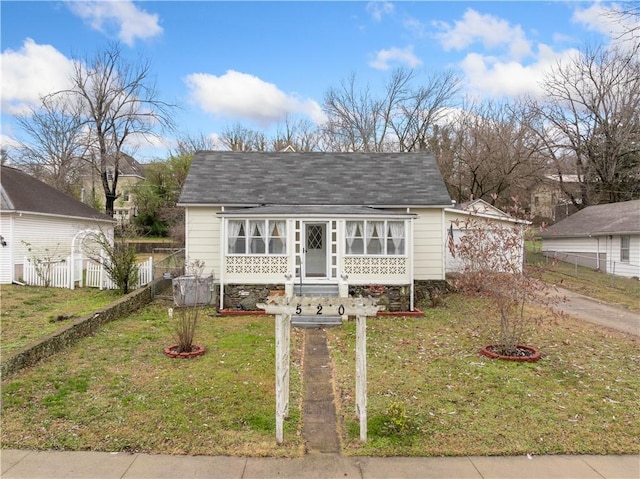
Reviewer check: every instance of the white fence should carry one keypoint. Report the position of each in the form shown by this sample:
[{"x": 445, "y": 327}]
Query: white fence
[{"x": 57, "y": 274}]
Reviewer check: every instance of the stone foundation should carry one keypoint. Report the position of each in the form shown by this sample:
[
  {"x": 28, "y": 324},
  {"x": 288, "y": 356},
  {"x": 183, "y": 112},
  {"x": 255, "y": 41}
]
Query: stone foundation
[
  {"x": 244, "y": 297},
  {"x": 430, "y": 292}
]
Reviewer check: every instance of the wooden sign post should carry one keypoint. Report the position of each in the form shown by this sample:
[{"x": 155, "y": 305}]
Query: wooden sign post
[{"x": 284, "y": 308}]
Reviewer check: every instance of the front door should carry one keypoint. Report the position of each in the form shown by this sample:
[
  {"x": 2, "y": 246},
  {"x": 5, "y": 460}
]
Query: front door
[{"x": 315, "y": 250}]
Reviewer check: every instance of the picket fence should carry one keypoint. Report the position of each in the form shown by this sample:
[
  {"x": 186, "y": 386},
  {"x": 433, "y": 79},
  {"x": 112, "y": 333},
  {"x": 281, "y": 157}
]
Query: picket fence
[{"x": 57, "y": 274}]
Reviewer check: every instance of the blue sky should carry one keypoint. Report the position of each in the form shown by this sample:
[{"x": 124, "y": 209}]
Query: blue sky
[{"x": 257, "y": 62}]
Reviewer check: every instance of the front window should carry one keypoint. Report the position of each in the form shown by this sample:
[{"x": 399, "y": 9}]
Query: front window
[
  {"x": 625, "y": 243},
  {"x": 257, "y": 237},
  {"x": 371, "y": 237}
]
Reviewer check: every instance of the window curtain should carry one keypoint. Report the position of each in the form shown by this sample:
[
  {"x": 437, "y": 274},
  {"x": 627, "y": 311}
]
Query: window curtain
[
  {"x": 351, "y": 231},
  {"x": 375, "y": 245},
  {"x": 278, "y": 239},
  {"x": 232, "y": 234},
  {"x": 396, "y": 228},
  {"x": 256, "y": 229}
]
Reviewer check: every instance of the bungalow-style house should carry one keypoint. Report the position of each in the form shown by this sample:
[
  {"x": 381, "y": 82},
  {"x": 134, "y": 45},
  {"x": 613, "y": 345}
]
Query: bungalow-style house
[
  {"x": 604, "y": 237},
  {"x": 326, "y": 223},
  {"x": 38, "y": 220}
]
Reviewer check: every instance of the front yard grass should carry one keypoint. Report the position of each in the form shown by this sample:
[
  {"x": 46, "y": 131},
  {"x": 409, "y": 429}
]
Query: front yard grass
[
  {"x": 431, "y": 393},
  {"x": 116, "y": 391},
  {"x": 29, "y": 313}
]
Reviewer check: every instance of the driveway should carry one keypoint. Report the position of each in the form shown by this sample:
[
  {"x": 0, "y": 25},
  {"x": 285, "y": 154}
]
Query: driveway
[{"x": 594, "y": 311}]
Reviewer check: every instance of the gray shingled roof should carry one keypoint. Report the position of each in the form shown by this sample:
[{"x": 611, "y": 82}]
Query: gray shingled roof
[
  {"x": 21, "y": 192},
  {"x": 283, "y": 178},
  {"x": 598, "y": 220}
]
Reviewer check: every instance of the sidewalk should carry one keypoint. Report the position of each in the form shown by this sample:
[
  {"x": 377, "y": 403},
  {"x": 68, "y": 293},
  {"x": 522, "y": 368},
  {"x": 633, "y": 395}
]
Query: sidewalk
[{"x": 104, "y": 465}]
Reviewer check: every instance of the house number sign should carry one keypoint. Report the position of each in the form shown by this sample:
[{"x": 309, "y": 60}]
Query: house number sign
[{"x": 284, "y": 308}]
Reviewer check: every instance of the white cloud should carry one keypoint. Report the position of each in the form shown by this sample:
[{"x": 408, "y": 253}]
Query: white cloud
[
  {"x": 129, "y": 21},
  {"x": 486, "y": 75},
  {"x": 242, "y": 96},
  {"x": 8, "y": 143},
  {"x": 30, "y": 73},
  {"x": 607, "y": 20},
  {"x": 383, "y": 58},
  {"x": 490, "y": 31},
  {"x": 379, "y": 8}
]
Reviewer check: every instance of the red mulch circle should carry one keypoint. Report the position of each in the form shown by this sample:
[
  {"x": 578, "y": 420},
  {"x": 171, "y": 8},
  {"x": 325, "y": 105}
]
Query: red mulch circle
[
  {"x": 527, "y": 354},
  {"x": 196, "y": 350}
]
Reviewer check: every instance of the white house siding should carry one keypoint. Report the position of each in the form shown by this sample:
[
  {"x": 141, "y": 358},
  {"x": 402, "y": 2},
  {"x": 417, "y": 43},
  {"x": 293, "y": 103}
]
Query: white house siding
[
  {"x": 428, "y": 245},
  {"x": 583, "y": 250},
  {"x": 6, "y": 256},
  {"x": 629, "y": 268},
  {"x": 47, "y": 236},
  {"x": 203, "y": 228}
]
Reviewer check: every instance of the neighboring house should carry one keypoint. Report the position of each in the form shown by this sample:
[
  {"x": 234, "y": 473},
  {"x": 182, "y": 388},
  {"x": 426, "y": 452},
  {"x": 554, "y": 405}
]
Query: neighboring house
[
  {"x": 130, "y": 174},
  {"x": 337, "y": 223},
  {"x": 549, "y": 202},
  {"x": 456, "y": 218},
  {"x": 604, "y": 237},
  {"x": 35, "y": 216}
]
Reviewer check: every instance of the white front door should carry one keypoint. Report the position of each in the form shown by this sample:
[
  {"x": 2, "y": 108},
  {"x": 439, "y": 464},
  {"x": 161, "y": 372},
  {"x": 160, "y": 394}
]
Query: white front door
[{"x": 315, "y": 250}]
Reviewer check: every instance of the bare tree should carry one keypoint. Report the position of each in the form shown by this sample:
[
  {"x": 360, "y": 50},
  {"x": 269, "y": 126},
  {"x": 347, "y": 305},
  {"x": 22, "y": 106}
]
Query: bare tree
[
  {"x": 402, "y": 118},
  {"x": 591, "y": 115},
  {"x": 119, "y": 102},
  {"x": 353, "y": 118},
  {"x": 189, "y": 144},
  {"x": 301, "y": 135},
  {"x": 494, "y": 153},
  {"x": 420, "y": 111},
  {"x": 240, "y": 138},
  {"x": 54, "y": 144}
]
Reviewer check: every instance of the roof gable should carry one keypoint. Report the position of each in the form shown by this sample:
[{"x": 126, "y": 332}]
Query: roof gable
[
  {"x": 268, "y": 178},
  {"x": 612, "y": 218},
  {"x": 21, "y": 192}
]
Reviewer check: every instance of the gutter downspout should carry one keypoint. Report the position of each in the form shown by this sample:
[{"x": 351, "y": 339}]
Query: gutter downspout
[
  {"x": 411, "y": 260},
  {"x": 223, "y": 266}
]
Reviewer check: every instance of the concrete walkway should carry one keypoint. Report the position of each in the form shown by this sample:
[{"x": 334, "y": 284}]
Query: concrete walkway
[{"x": 104, "y": 465}]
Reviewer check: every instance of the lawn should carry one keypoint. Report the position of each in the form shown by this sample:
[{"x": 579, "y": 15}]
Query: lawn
[
  {"x": 431, "y": 393},
  {"x": 116, "y": 391},
  {"x": 31, "y": 312}
]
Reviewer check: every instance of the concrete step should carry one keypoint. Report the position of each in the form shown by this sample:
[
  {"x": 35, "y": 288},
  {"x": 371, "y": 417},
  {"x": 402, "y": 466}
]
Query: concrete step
[
  {"x": 317, "y": 321},
  {"x": 315, "y": 290}
]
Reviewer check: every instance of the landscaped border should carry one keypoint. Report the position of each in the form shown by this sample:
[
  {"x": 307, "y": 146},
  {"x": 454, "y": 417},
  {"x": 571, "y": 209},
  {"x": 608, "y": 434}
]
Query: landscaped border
[{"x": 32, "y": 353}]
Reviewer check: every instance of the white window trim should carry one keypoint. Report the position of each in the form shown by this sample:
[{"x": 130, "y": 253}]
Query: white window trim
[
  {"x": 385, "y": 239},
  {"x": 265, "y": 236}
]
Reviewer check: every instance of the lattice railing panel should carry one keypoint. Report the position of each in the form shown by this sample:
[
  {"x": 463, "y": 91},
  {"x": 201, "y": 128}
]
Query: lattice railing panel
[
  {"x": 375, "y": 265},
  {"x": 257, "y": 265}
]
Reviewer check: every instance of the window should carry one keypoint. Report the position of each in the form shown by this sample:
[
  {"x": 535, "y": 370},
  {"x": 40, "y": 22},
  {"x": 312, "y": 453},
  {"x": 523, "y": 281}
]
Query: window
[
  {"x": 257, "y": 237},
  {"x": 355, "y": 237},
  {"x": 625, "y": 243},
  {"x": 375, "y": 237},
  {"x": 277, "y": 237},
  {"x": 237, "y": 237}
]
